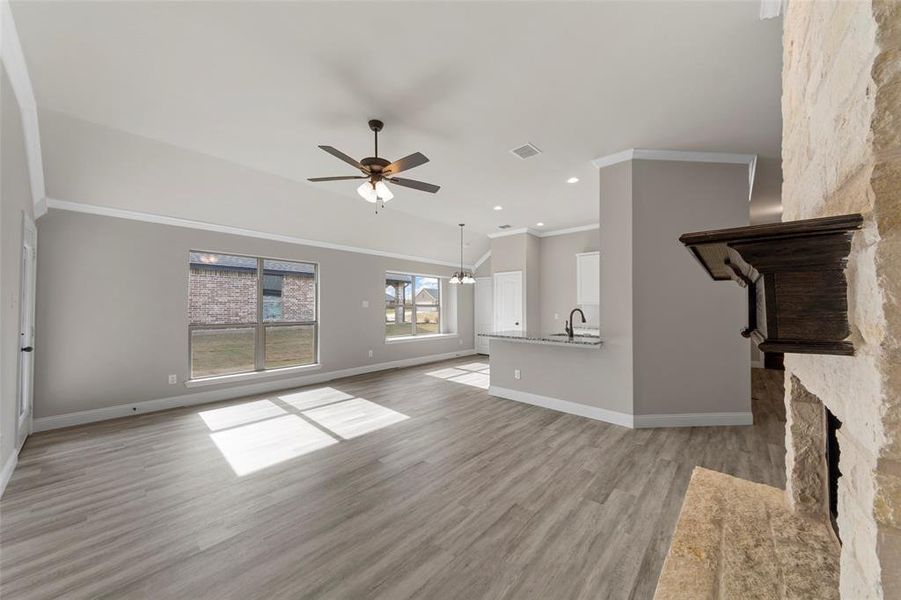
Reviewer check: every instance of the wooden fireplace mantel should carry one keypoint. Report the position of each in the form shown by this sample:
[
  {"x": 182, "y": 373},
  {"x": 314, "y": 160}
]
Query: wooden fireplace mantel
[{"x": 795, "y": 275}]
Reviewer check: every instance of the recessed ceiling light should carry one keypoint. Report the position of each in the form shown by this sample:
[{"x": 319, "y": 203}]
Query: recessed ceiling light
[
  {"x": 539, "y": 224},
  {"x": 498, "y": 207},
  {"x": 572, "y": 180}
]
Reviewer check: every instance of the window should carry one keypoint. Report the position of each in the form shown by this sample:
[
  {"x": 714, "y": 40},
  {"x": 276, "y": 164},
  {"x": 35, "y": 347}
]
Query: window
[
  {"x": 250, "y": 314},
  {"x": 412, "y": 305}
]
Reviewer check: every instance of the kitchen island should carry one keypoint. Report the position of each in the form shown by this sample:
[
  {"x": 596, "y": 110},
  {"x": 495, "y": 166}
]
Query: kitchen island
[
  {"x": 581, "y": 340},
  {"x": 574, "y": 376}
]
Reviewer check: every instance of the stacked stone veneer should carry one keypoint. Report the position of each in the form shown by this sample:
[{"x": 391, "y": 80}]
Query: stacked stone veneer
[
  {"x": 229, "y": 296},
  {"x": 841, "y": 150}
]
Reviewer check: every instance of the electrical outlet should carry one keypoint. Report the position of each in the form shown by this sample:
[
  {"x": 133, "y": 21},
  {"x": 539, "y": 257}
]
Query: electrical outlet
[
  {"x": 517, "y": 374},
  {"x": 459, "y": 342},
  {"x": 173, "y": 379},
  {"x": 370, "y": 354},
  {"x": 556, "y": 316},
  {"x": 365, "y": 303}
]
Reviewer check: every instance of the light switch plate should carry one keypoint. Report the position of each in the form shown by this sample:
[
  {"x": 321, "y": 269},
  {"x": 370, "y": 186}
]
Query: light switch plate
[{"x": 365, "y": 303}]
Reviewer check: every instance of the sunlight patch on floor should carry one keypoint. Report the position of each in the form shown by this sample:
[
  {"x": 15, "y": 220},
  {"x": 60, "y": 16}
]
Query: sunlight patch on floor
[
  {"x": 446, "y": 373},
  {"x": 240, "y": 414},
  {"x": 475, "y": 374},
  {"x": 313, "y": 398},
  {"x": 260, "y": 433},
  {"x": 481, "y": 367},
  {"x": 249, "y": 448},
  {"x": 479, "y": 380},
  {"x": 353, "y": 418}
]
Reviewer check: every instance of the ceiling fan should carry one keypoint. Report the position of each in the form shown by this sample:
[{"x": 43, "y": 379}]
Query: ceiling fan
[{"x": 379, "y": 170}]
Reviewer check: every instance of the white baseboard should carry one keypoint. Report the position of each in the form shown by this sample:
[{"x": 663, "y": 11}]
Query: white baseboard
[
  {"x": 8, "y": 467},
  {"x": 573, "y": 408},
  {"x": 694, "y": 420},
  {"x": 625, "y": 419},
  {"x": 757, "y": 364},
  {"x": 229, "y": 393}
]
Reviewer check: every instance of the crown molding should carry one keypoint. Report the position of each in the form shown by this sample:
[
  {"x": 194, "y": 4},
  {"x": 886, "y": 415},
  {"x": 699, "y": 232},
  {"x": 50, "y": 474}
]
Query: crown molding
[
  {"x": 567, "y": 230},
  {"x": 682, "y": 156},
  {"x": 119, "y": 213},
  {"x": 674, "y": 155},
  {"x": 543, "y": 234},
  {"x": 479, "y": 262},
  {"x": 506, "y": 232},
  {"x": 14, "y": 63}
]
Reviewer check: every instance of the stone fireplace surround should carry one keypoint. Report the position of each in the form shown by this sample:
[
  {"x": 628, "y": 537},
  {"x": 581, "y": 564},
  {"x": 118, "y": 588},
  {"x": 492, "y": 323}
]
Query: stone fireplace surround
[{"x": 841, "y": 151}]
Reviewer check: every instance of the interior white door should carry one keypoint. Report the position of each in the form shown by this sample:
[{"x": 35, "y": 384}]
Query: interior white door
[
  {"x": 508, "y": 301},
  {"x": 484, "y": 313},
  {"x": 26, "y": 330}
]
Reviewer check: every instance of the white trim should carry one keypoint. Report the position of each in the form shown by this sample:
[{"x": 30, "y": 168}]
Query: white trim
[
  {"x": 252, "y": 376},
  {"x": 567, "y": 230},
  {"x": 540, "y": 234},
  {"x": 675, "y": 155},
  {"x": 752, "y": 172},
  {"x": 694, "y": 420},
  {"x": 229, "y": 393},
  {"x": 14, "y": 61},
  {"x": 479, "y": 262},
  {"x": 403, "y": 339},
  {"x": 106, "y": 211},
  {"x": 565, "y": 406},
  {"x": 612, "y": 159},
  {"x": 757, "y": 364},
  {"x": 506, "y": 232},
  {"x": 8, "y": 467},
  {"x": 770, "y": 9}
]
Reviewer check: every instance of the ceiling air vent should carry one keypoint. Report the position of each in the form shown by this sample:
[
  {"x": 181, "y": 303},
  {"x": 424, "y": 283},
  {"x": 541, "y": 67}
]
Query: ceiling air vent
[
  {"x": 527, "y": 151},
  {"x": 504, "y": 226}
]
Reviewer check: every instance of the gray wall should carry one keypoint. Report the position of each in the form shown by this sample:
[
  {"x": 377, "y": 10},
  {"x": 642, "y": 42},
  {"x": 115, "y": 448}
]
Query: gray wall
[
  {"x": 558, "y": 275},
  {"x": 671, "y": 342},
  {"x": 86, "y": 162},
  {"x": 15, "y": 199},
  {"x": 484, "y": 269},
  {"x": 689, "y": 356},
  {"x": 601, "y": 378},
  {"x": 113, "y": 310},
  {"x": 520, "y": 252}
]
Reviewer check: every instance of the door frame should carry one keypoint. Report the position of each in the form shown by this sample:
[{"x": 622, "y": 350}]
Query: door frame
[
  {"x": 522, "y": 304},
  {"x": 27, "y": 288}
]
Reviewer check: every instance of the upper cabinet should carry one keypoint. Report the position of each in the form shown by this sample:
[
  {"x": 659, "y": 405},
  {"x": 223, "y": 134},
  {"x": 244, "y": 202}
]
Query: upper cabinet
[{"x": 588, "y": 278}]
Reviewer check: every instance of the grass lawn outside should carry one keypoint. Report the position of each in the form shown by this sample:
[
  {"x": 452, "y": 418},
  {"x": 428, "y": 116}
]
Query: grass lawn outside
[
  {"x": 226, "y": 351},
  {"x": 396, "y": 329}
]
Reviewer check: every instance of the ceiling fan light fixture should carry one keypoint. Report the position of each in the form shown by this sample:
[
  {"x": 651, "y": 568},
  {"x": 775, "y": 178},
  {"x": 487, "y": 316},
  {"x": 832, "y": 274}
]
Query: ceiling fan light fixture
[
  {"x": 455, "y": 280},
  {"x": 383, "y": 192},
  {"x": 367, "y": 192}
]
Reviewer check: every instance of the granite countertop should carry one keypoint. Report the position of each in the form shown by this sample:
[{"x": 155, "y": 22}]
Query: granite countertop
[{"x": 550, "y": 339}]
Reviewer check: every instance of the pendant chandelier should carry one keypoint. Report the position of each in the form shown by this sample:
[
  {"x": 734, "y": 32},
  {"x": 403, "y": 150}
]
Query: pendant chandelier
[{"x": 462, "y": 276}]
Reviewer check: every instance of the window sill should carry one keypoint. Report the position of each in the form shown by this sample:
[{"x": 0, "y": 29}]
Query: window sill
[
  {"x": 254, "y": 376},
  {"x": 419, "y": 338}
]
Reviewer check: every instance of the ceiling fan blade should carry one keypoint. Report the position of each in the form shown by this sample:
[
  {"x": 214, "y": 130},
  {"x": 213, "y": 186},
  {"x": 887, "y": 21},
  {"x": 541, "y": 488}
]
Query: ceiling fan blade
[
  {"x": 343, "y": 178},
  {"x": 416, "y": 185},
  {"x": 407, "y": 162},
  {"x": 341, "y": 156}
]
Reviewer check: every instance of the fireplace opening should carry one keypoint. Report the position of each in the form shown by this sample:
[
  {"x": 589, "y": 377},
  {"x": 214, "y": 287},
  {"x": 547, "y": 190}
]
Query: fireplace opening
[{"x": 832, "y": 470}]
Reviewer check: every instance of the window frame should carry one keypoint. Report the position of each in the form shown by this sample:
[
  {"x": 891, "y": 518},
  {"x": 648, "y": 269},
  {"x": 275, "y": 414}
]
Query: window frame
[
  {"x": 260, "y": 325},
  {"x": 414, "y": 305}
]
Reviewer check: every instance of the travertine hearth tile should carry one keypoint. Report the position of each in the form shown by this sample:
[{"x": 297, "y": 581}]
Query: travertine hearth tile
[{"x": 739, "y": 539}]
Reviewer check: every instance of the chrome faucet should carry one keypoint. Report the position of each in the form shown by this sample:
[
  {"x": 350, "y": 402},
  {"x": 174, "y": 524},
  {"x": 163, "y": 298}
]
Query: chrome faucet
[{"x": 568, "y": 327}]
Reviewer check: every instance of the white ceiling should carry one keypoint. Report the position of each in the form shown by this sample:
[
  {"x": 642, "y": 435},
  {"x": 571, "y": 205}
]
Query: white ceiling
[{"x": 262, "y": 84}]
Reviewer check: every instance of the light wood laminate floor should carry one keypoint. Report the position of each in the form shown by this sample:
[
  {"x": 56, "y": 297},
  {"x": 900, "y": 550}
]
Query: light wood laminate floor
[{"x": 411, "y": 483}]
